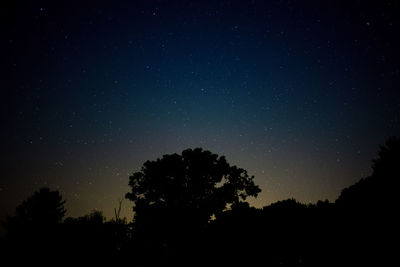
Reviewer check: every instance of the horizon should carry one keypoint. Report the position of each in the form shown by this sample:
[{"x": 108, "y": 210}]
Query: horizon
[{"x": 301, "y": 95}]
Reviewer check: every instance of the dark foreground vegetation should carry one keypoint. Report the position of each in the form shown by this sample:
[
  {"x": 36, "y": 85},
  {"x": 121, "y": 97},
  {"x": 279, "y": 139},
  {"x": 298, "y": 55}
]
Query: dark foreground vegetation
[{"x": 191, "y": 210}]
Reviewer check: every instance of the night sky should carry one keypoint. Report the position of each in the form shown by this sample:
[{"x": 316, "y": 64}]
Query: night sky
[{"x": 299, "y": 93}]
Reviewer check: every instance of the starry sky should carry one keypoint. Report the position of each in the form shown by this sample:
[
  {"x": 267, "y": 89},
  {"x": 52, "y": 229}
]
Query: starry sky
[{"x": 299, "y": 93}]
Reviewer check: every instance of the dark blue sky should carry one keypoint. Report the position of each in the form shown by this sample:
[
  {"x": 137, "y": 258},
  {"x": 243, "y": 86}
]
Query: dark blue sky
[{"x": 299, "y": 93}]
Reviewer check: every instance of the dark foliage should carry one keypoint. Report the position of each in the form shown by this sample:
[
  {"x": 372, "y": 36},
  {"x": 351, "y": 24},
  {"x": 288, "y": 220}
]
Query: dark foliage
[
  {"x": 191, "y": 210},
  {"x": 176, "y": 196},
  {"x": 367, "y": 217},
  {"x": 34, "y": 229},
  {"x": 43, "y": 208},
  {"x": 377, "y": 191},
  {"x": 96, "y": 236}
]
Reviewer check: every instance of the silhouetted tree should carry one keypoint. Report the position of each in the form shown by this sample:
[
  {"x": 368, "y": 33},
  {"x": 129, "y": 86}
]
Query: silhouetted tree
[
  {"x": 35, "y": 226},
  {"x": 192, "y": 209},
  {"x": 44, "y": 208},
  {"x": 367, "y": 209},
  {"x": 176, "y": 196},
  {"x": 378, "y": 191}
]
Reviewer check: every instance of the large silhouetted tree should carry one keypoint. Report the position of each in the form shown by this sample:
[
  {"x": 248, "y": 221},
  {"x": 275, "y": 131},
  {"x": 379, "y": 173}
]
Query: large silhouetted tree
[
  {"x": 178, "y": 194},
  {"x": 196, "y": 181}
]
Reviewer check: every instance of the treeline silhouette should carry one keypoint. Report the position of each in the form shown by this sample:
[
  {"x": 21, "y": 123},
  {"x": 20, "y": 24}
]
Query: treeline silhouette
[{"x": 191, "y": 210}]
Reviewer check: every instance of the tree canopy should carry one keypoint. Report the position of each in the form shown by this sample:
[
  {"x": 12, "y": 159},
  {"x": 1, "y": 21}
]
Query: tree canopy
[
  {"x": 380, "y": 188},
  {"x": 197, "y": 182},
  {"x": 175, "y": 198},
  {"x": 43, "y": 208}
]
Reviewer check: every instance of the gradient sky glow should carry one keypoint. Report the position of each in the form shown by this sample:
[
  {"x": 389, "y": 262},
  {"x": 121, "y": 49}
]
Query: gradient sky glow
[{"x": 299, "y": 93}]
